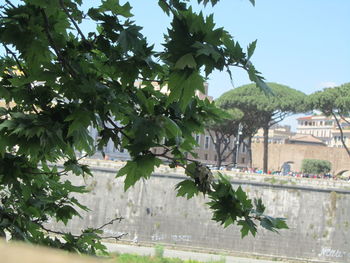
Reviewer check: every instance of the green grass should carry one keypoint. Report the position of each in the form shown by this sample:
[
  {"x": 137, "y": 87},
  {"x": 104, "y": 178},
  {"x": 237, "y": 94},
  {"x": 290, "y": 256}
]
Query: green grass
[{"x": 132, "y": 258}]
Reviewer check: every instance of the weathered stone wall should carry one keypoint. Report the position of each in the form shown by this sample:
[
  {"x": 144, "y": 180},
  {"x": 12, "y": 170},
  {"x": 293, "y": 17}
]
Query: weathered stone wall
[
  {"x": 318, "y": 215},
  {"x": 281, "y": 153}
]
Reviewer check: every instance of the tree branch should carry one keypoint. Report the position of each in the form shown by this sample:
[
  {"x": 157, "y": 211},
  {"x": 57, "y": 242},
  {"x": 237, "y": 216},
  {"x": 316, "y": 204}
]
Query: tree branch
[
  {"x": 54, "y": 47},
  {"x": 169, "y": 7},
  {"x": 99, "y": 228},
  {"x": 116, "y": 127},
  {"x": 10, "y": 4},
  {"x": 119, "y": 219},
  {"x": 72, "y": 20},
  {"x": 341, "y": 133},
  {"x": 344, "y": 119},
  {"x": 16, "y": 59}
]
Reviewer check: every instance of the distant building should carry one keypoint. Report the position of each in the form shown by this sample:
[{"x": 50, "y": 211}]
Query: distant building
[
  {"x": 305, "y": 139},
  {"x": 326, "y": 129},
  {"x": 318, "y": 126},
  {"x": 278, "y": 134}
]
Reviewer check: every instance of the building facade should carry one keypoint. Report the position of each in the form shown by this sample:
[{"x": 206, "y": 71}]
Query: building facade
[
  {"x": 318, "y": 126},
  {"x": 326, "y": 129},
  {"x": 278, "y": 134}
]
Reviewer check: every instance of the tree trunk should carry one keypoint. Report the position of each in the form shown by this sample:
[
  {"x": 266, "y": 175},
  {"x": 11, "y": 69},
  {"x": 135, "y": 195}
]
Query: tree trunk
[
  {"x": 218, "y": 154},
  {"x": 249, "y": 148},
  {"x": 266, "y": 148}
]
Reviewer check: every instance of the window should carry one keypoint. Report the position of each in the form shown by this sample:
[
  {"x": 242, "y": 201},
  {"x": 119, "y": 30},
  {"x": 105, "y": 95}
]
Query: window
[
  {"x": 215, "y": 157},
  {"x": 206, "y": 156},
  {"x": 198, "y": 138},
  {"x": 244, "y": 148},
  {"x": 206, "y": 145},
  {"x": 243, "y": 160}
]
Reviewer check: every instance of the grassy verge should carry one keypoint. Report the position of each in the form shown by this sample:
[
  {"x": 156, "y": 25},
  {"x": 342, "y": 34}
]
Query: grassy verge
[{"x": 132, "y": 258}]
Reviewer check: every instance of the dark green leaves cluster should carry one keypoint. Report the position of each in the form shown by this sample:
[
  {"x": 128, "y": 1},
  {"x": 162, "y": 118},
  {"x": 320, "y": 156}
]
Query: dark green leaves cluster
[
  {"x": 332, "y": 100},
  {"x": 251, "y": 98},
  {"x": 229, "y": 205},
  {"x": 30, "y": 196},
  {"x": 57, "y": 82}
]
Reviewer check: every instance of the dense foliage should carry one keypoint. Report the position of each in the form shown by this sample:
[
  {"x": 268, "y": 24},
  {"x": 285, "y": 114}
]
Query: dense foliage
[
  {"x": 334, "y": 102},
  {"x": 263, "y": 109},
  {"x": 56, "y": 81},
  {"x": 314, "y": 166}
]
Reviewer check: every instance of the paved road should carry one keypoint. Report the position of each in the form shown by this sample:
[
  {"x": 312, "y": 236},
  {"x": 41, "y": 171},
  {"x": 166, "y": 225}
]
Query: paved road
[{"x": 172, "y": 253}]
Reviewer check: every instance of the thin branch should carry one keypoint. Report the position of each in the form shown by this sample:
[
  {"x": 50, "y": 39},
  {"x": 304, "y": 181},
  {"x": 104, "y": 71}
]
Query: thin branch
[
  {"x": 16, "y": 59},
  {"x": 72, "y": 20},
  {"x": 119, "y": 129},
  {"x": 119, "y": 219},
  {"x": 64, "y": 172},
  {"x": 54, "y": 47},
  {"x": 10, "y": 4},
  {"x": 344, "y": 119},
  {"x": 115, "y": 237},
  {"x": 341, "y": 133},
  {"x": 53, "y": 231},
  {"x": 99, "y": 228},
  {"x": 85, "y": 155},
  {"x": 169, "y": 7}
]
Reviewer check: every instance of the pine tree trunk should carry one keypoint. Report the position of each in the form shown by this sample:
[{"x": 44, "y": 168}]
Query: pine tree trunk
[
  {"x": 266, "y": 148},
  {"x": 218, "y": 154},
  {"x": 250, "y": 157}
]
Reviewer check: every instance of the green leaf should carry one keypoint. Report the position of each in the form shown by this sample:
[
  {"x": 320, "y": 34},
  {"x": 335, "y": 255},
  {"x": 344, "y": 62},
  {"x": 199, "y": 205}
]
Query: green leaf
[
  {"x": 280, "y": 223},
  {"x": 243, "y": 198},
  {"x": 164, "y": 7},
  {"x": 251, "y": 49},
  {"x": 171, "y": 127},
  {"x": 247, "y": 226},
  {"x": 191, "y": 169},
  {"x": 253, "y": 2},
  {"x": 129, "y": 39},
  {"x": 80, "y": 120},
  {"x": 186, "y": 61},
  {"x": 182, "y": 87},
  {"x": 259, "y": 207},
  {"x": 229, "y": 221},
  {"x": 141, "y": 167},
  {"x": 116, "y": 8},
  {"x": 65, "y": 213},
  {"x": 187, "y": 188}
]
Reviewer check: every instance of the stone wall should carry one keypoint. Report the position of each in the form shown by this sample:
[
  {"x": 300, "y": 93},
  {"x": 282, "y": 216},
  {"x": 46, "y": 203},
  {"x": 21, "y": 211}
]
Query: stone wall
[
  {"x": 317, "y": 212},
  {"x": 281, "y": 153}
]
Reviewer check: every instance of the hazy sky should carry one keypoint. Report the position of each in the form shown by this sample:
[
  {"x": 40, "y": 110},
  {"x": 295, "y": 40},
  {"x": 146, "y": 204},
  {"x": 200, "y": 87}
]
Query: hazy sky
[{"x": 304, "y": 44}]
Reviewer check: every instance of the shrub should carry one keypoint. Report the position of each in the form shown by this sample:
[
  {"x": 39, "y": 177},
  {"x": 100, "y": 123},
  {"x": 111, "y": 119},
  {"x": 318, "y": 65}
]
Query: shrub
[
  {"x": 314, "y": 166},
  {"x": 158, "y": 251}
]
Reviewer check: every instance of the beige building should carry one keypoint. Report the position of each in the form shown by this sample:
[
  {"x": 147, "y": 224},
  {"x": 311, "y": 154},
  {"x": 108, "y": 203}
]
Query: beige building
[
  {"x": 326, "y": 129},
  {"x": 277, "y": 134},
  {"x": 319, "y": 126},
  {"x": 305, "y": 139}
]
